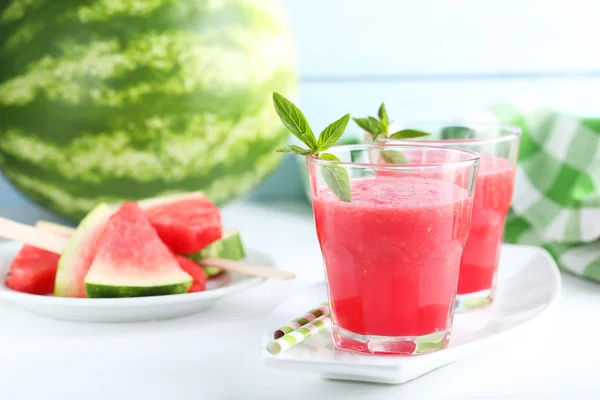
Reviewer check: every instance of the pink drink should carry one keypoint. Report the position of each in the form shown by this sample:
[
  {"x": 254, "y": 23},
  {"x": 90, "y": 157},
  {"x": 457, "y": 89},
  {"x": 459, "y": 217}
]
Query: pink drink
[
  {"x": 493, "y": 194},
  {"x": 499, "y": 148},
  {"x": 392, "y": 255}
]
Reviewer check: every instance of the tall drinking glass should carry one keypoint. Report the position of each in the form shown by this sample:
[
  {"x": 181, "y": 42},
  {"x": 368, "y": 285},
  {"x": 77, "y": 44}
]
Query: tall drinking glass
[
  {"x": 498, "y": 146},
  {"x": 392, "y": 251}
]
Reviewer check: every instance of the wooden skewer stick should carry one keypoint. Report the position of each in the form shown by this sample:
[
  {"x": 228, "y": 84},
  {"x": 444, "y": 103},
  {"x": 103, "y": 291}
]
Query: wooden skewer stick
[
  {"x": 54, "y": 238},
  {"x": 62, "y": 230},
  {"x": 35, "y": 237},
  {"x": 247, "y": 269}
]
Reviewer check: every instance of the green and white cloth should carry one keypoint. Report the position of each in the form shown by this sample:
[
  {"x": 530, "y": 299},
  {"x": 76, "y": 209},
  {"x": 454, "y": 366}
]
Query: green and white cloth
[{"x": 556, "y": 200}]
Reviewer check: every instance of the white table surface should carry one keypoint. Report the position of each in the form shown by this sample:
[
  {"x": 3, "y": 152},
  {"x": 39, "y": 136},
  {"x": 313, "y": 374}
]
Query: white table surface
[{"x": 215, "y": 355}]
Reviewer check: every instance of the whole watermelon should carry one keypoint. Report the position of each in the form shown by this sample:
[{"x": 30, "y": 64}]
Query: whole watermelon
[{"x": 105, "y": 100}]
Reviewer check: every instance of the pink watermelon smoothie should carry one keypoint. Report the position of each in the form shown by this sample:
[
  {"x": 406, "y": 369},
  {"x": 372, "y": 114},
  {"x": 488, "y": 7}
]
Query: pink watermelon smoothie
[
  {"x": 493, "y": 195},
  {"x": 392, "y": 255}
]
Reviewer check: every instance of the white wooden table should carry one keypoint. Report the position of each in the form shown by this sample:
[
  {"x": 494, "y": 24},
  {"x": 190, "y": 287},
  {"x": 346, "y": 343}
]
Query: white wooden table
[{"x": 215, "y": 355}]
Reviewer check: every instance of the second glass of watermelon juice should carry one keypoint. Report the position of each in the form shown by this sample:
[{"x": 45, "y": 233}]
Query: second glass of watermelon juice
[
  {"x": 498, "y": 146},
  {"x": 392, "y": 253}
]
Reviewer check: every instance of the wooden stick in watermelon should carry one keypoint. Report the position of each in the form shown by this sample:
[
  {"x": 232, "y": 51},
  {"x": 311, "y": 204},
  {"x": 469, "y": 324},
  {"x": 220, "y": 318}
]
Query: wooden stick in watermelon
[
  {"x": 32, "y": 236},
  {"x": 53, "y": 227},
  {"x": 45, "y": 239}
]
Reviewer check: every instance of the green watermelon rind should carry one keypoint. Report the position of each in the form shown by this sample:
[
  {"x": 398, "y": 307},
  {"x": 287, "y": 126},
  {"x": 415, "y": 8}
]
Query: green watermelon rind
[
  {"x": 230, "y": 246},
  {"x": 95, "y": 290},
  {"x": 65, "y": 283},
  {"x": 99, "y": 285},
  {"x": 211, "y": 271}
]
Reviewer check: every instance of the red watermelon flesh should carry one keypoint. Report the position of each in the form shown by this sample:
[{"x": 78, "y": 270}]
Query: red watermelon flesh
[
  {"x": 33, "y": 271},
  {"x": 195, "y": 271},
  {"x": 186, "y": 225}
]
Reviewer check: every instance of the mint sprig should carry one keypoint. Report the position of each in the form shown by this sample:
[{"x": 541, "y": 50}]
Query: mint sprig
[
  {"x": 335, "y": 176},
  {"x": 380, "y": 126}
]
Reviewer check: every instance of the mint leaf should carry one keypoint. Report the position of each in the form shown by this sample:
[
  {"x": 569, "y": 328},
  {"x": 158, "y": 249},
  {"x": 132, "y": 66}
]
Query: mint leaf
[
  {"x": 294, "y": 150},
  {"x": 457, "y": 132},
  {"x": 378, "y": 124},
  {"x": 371, "y": 125},
  {"x": 408, "y": 133},
  {"x": 329, "y": 157},
  {"x": 336, "y": 177},
  {"x": 383, "y": 117},
  {"x": 393, "y": 157},
  {"x": 294, "y": 120},
  {"x": 332, "y": 133},
  {"x": 367, "y": 125}
]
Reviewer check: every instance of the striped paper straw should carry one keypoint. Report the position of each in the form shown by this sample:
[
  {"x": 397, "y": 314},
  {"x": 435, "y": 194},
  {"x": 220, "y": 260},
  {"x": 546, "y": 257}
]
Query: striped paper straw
[
  {"x": 303, "y": 320},
  {"x": 299, "y": 335}
]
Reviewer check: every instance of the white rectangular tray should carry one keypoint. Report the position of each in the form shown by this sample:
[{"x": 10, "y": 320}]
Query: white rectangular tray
[{"x": 528, "y": 284}]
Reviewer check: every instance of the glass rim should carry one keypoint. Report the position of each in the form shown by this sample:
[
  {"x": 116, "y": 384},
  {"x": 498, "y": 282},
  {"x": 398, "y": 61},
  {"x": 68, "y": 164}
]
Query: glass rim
[
  {"x": 509, "y": 132},
  {"x": 473, "y": 159}
]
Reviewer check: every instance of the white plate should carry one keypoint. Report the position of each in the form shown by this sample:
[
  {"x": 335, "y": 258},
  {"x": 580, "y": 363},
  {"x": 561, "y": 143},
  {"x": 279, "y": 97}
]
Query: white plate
[
  {"x": 127, "y": 309},
  {"x": 528, "y": 284}
]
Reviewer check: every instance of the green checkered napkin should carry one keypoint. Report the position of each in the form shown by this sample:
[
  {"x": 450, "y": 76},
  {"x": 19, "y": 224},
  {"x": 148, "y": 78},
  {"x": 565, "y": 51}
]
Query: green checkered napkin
[{"x": 557, "y": 187}]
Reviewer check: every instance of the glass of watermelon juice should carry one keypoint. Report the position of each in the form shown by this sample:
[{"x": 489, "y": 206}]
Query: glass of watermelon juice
[
  {"x": 392, "y": 253},
  {"x": 498, "y": 146}
]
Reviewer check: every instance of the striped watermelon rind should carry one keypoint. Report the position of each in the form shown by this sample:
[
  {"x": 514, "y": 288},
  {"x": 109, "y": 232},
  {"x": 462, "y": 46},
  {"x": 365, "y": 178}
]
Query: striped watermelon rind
[
  {"x": 104, "y": 101},
  {"x": 79, "y": 253},
  {"x": 230, "y": 246},
  {"x": 95, "y": 290}
]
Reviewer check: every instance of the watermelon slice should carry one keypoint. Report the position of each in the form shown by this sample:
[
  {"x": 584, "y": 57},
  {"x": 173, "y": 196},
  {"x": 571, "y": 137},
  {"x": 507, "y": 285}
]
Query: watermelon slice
[
  {"x": 230, "y": 247},
  {"x": 132, "y": 261},
  {"x": 195, "y": 271},
  {"x": 186, "y": 223},
  {"x": 33, "y": 271},
  {"x": 79, "y": 254}
]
